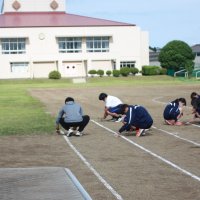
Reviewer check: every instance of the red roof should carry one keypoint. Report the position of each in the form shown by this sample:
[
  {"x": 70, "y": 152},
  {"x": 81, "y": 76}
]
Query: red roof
[{"x": 52, "y": 19}]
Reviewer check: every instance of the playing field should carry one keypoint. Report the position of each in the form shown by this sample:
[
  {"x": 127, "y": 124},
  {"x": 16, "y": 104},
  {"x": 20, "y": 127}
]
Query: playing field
[{"x": 164, "y": 164}]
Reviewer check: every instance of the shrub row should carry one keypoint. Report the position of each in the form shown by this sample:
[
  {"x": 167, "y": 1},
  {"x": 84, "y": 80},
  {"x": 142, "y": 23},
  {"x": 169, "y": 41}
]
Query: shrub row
[
  {"x": 125, "y": 71},
  {"x": 153, "y": 70}
]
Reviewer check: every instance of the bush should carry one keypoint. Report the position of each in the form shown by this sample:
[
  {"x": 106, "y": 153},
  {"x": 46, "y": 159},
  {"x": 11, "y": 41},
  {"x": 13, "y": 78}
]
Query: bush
[
  {"x": 151, "y": 70},
  {"x": 54, "y": 75},
  {"x": 134, "y": 70},
  {"x": 100, "y": 72},
  {"x": 108, "y": 73},
  {"x": 116, "y": 73},
  {"x": 92, "y": 72},
  {"x": 163, "y": 71},
  {"x": 125, "y": 71}
]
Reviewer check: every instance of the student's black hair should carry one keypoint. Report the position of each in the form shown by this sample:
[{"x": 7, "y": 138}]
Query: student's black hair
[
  {"x": 193, "y": 95},
  {"x": 102, "y": 96},
  {"x": 69, "y": 99},
  {"x": 123, "y": 107},
  {"x": 182, "y": 100}
]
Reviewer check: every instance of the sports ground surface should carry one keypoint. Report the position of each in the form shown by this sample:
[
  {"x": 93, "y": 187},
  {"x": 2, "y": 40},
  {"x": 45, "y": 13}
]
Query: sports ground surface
[{"x": 164, "y": 164}]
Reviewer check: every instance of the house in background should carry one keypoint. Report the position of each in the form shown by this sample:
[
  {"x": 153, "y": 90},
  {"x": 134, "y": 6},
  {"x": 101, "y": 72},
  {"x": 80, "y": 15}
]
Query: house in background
[
  {"x": 38, "y": 36},
  {"x": 196, "y": 51},
  {"x": 154, "y": 54},
  {"x": 153, "y": 57}
]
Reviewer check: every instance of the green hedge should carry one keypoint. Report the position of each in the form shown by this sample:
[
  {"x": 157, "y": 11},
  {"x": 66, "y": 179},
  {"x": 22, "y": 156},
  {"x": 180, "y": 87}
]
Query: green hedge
[
  {"x": 134, "y": 70},
  {"x": 125, "y": 71},
  {"x": 163, "y": 71},
  {"x": 100, "y": 72},
  {"x": 54, "y": 75},
  {"x": 153, "y": 70},
  {"x": 116, "y": 73},
  {"x": 108, "y": 72},
  {"x": 92, "y": 72}
]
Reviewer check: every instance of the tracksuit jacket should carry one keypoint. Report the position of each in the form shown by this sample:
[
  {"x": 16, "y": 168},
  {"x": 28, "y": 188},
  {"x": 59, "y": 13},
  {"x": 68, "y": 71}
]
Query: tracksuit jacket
[
  {"x": 171, "y": 111},
  {"x": 71, "y": 112},
  {"x": 138, "y": 117}
]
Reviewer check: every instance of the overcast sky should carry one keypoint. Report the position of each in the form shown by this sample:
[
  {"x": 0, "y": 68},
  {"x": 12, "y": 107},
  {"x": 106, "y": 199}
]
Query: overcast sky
[{"x": 165, "y": 20}]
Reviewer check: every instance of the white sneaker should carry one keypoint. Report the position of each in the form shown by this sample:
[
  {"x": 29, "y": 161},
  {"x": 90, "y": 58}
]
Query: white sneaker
[
  {"x": 143, "y": 132},
  {"x": 140, "y": 132},
  {"x": 119, "y": 119},
  {"x": 69, "y": 132},
  {"x": 78, "y": 133}
]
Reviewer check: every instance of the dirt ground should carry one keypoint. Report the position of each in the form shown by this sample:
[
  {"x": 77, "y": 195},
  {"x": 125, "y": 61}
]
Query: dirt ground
[{"x": 132, "y": 172}]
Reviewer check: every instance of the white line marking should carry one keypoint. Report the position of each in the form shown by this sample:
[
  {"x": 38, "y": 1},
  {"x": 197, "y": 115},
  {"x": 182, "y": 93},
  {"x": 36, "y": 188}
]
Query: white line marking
[
  {"x": 156, "y": 100},
  {"x": 164, "y": 103},
  {"x": 175, "y": 135},
  {"x": 153, "y": 154},
  {"x": 105, "y": 183},
  {"x": 195, "y": 125}
]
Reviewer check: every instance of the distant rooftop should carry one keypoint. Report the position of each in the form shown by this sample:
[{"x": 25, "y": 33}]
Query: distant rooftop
[
  {"x": 196, "y": 48},
  {"x": 52, "y": 19}
]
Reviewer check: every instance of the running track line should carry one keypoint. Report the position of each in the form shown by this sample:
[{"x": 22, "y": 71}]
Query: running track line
[
  {"x": 151, "y": 153},
  {"x": 181, "y": 138},
  {"x": 105, "y": 183},
  {"x": 155, "y": 100}
]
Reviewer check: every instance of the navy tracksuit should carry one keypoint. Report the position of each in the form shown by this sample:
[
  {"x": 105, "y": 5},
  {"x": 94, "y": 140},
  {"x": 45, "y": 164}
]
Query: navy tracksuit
[
  {"x": 171, "y": 111},
  {"x": 117, "y": 109},
  {"x": 138, "y": 117},
  {"x": 196, "y": 104}
]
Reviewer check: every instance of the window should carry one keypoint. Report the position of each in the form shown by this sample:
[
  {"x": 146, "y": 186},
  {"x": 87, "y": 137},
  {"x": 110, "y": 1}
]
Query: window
[
  {"x": 70, "y": 44},
  {"x": 198, "y": 54},
  {"x": 97, "y": 44},
  {"x": 129, "y": 64},
  {"x": 13, "y": 45},
  {"x": 19, "y": 67}
]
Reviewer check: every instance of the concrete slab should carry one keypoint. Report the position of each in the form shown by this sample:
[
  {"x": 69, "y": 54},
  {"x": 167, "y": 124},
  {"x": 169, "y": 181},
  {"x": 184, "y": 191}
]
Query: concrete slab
[
  {"x": 41, "y": 183},
  {"x": 79, "y": 80}
]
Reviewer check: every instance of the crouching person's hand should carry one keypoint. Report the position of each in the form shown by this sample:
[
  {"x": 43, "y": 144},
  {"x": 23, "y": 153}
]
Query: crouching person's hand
[{"x": 57, "y": 129}]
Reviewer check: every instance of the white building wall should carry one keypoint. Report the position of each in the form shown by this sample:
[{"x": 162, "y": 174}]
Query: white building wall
[
  {"x": 127, "y": 43},
  {"x": 33, "y": 6},
  {"x": 144, "y": 48}
]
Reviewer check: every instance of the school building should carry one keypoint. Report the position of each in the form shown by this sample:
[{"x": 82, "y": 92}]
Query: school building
[{"x": 39, "y": 36}]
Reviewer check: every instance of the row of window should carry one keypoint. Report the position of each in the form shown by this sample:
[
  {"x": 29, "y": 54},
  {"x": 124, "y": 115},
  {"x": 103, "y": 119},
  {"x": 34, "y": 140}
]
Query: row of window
[{"x": 65, "y": 45}]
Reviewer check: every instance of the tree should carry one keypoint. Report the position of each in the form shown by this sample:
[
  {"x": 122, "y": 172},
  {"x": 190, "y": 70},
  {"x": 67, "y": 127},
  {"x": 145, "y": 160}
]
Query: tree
[
  {"x": 189, "y": 67},
  {"x": 177, "y": 55}
]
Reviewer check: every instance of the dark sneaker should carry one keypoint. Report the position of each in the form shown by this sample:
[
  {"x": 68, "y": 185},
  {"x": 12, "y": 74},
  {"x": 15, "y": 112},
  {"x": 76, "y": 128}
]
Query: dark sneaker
[{"x": 114, "y": 119}]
